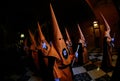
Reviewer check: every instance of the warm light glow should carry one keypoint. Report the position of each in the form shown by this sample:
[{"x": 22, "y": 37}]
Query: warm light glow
[
  {"x": 98, "y": 68},
  {"x": 22, "y": 35},
  {"x": 95, "y": 24}
]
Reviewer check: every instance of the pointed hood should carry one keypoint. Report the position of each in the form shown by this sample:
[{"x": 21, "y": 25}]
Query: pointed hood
[
  {"x": 69, "y": 42},
  {"x": 57, "y": 34},
  {"x": 106, "y": 23},
  {"x": 32, "y": 37},
  {"x": 68, "y": 36},
  {"x": 58, "y": 41},
  {"x": 81, "y": 34},
  {"x": 41, "y": 36},
  {"x": 34, "y": 52},
  {"x": 107, "y": 32},
  {"x": 43, "y": 44},
  {"x": 82, "y": 40}
]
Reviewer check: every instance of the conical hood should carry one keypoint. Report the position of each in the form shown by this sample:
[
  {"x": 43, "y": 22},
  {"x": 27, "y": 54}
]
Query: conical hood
[
  {"x": 43, "y": 44},
  {"x": 68, "y": 36},
  {"x": 34, "y": 53},
  {"x": 69, "y": 42},
  {"x": 57, "y": 34},
  {"x": 81, "y": 34},
  {"x": 32, "y": 39},
  {"x": 107, "y": 32},
  {"x": 82, "y": 40},
  {"x": 106, "y": 23},
  {"x": 58, "y": 41},
  {"x": 41, "y": 36}
]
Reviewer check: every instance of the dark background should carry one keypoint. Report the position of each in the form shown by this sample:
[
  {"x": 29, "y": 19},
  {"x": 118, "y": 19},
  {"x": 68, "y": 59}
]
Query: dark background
[
  {"x": 22, "y": 14},
  {"x": 19, "y": 16}
]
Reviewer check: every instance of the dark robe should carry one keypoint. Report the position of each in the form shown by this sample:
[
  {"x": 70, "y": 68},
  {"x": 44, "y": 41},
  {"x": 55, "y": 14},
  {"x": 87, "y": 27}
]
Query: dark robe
[
  {"x": 46, "y": 71},
  {"x": 106, "y": 61},
  {"x": 80, "y": 54}
]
